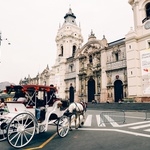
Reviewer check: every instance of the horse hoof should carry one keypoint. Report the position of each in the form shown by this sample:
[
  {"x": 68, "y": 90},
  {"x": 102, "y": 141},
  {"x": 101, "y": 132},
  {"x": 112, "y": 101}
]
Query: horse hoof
[
  {"x": 82, "y": 123},
  {"x": 70, "y": 129}
]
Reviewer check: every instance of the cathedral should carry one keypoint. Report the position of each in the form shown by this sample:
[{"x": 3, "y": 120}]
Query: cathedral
[{"x": 99, "y": 70}]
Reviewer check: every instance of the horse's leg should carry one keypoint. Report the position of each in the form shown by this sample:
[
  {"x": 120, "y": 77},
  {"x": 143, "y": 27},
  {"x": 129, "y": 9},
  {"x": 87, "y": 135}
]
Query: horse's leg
[
  {"x": 83, "y": 116},
  {"x": 79, "y": 121},
  {"x": 76, "y": 117},
  {"x": 83, "y": 120},
  {"x": 70, "y": 122}
]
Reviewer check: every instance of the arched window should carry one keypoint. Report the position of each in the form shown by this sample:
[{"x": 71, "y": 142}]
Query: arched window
[
  {"x": 90, "y": 59},
  {"x": 71, "y": 68},
  {"x": 147, "y": 10},
  {"x": 73, "y": 50},
  {"x": 62, "y": 51},
  {"x": 117, "y": 56}
]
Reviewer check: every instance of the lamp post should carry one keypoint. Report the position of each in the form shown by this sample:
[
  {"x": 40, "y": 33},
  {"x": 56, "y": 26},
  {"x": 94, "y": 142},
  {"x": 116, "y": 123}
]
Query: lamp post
[
  {"x": 0, "y": 38},
  {"x": 1, "y": 42},
  {"x": 0, "y": 45},
  {"x": 3, "y": 39}
]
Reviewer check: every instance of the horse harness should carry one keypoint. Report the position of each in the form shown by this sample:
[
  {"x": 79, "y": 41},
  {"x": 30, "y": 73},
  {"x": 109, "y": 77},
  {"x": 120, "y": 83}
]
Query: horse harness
[{"x": 79, "y": 111}]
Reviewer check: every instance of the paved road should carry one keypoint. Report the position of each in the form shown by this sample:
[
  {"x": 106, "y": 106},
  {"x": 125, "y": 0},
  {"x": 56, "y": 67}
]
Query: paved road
[
  {"x": 135, "y": 123},
  {"x": 98, "y": 133}
]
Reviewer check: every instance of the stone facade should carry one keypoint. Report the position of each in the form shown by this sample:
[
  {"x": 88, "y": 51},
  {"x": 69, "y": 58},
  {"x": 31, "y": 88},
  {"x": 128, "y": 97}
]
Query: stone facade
[
  {"x": 138, "y": 42},
  {"x": 99, "y": 70},
  {"x": 102, "y": 70}
]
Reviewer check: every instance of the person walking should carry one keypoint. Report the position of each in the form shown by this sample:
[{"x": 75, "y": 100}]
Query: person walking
[
  {"x": 2, "y": 104},
  {"x": 71, "y": 93}
]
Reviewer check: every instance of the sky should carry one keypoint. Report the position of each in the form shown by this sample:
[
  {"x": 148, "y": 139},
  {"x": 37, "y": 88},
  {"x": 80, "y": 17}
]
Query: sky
[{"x": 31, "y": 27}]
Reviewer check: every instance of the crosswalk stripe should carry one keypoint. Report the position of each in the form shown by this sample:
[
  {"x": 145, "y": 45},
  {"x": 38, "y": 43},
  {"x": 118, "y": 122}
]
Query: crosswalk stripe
[
  {"x": 100, "y": 122},
  {"x": 112, "y": 122},
  {"x": 88, "y": 121}
]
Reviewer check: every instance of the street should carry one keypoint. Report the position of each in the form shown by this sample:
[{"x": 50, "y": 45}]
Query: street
[{"x": 134, "y": 134}]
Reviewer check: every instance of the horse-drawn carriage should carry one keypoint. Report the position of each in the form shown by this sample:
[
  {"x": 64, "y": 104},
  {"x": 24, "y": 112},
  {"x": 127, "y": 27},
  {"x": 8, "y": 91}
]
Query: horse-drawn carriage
[{"x": 20, "y": 123}]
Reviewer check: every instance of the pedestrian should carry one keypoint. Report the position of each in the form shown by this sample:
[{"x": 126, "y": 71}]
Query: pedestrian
[
  {"x": 71, "y": 93},
  {"x": 119, "y": 101},
  {"x": 2, "y": 104},
  {"x": 108, "y": 101}
]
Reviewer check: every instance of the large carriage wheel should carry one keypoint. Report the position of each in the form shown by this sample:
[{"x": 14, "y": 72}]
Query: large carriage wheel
[
  {"x": 3, "y": 129},
  {"x": 21, "y": 130},
  {"x": 63, "y": 126}
]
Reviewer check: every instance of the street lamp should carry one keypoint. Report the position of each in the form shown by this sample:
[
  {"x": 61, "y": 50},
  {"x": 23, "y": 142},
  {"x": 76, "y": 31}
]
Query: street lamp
[{"x": 1, "y": 41}]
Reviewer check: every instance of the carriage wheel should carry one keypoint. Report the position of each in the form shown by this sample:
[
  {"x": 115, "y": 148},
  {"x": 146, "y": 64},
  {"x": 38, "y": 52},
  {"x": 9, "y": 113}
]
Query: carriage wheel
[
  {"x": 3, "y": 129},
  {"x": 63, "y": 126},
  {"x": 21, "y": 130}
]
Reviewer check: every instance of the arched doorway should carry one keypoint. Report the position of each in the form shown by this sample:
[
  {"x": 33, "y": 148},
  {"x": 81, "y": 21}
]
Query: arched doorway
[
  {"x": 118, "y": 90},
  {"x": 91, "y": 89},
  {"x": 71, "y": 93}
]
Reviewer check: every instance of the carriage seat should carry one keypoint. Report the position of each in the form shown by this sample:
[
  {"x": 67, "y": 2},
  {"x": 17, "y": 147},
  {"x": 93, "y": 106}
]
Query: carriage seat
[
  {"x": 16, "y": 107},
  {"x": 21, "y": 100}
]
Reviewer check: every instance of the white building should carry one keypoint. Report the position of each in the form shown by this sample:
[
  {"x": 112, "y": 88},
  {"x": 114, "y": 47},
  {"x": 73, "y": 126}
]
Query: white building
[
  {"x": 100, "y": 70},
  {"x": 137, "y": 43},
  {"x": 68, "y": 40}
]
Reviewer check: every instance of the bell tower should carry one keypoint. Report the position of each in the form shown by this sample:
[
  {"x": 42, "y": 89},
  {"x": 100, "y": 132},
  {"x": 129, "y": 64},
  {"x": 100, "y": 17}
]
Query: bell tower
[
  {"x": 138, "y": 50},
  {"x": 68, "y": 40}
]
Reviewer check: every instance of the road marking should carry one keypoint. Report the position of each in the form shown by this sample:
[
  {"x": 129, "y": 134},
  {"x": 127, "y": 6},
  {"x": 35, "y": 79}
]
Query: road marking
[
  {"x": 135, "y": 117},
  {"x": 43, "y": 144},
  {"x": 116, "y": 130},
  {"x": 147, "y": 130},
  {"x": 135, "y": 123},
  {"x": 139, "y": 127},
  {"x": 88, "y": 121},
  {"x": 112, "y": 122},
  {"x": 100, "y": 122}
]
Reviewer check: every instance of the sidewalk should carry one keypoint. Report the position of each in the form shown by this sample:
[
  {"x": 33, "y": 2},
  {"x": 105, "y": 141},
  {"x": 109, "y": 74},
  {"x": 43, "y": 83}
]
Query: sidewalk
[{"x": 120, "y": 106}]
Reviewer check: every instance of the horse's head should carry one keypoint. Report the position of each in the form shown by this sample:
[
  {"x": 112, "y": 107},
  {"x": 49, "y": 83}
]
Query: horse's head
[{"x": 57, "y": 104}]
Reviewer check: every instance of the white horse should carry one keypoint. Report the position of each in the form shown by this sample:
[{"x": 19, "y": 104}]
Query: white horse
[{"x": 78, "y": 109}]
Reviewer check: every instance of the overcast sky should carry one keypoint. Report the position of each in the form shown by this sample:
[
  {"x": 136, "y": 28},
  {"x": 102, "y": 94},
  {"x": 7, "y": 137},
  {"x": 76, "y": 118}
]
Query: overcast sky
[{"x": 31, "y": 27}]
